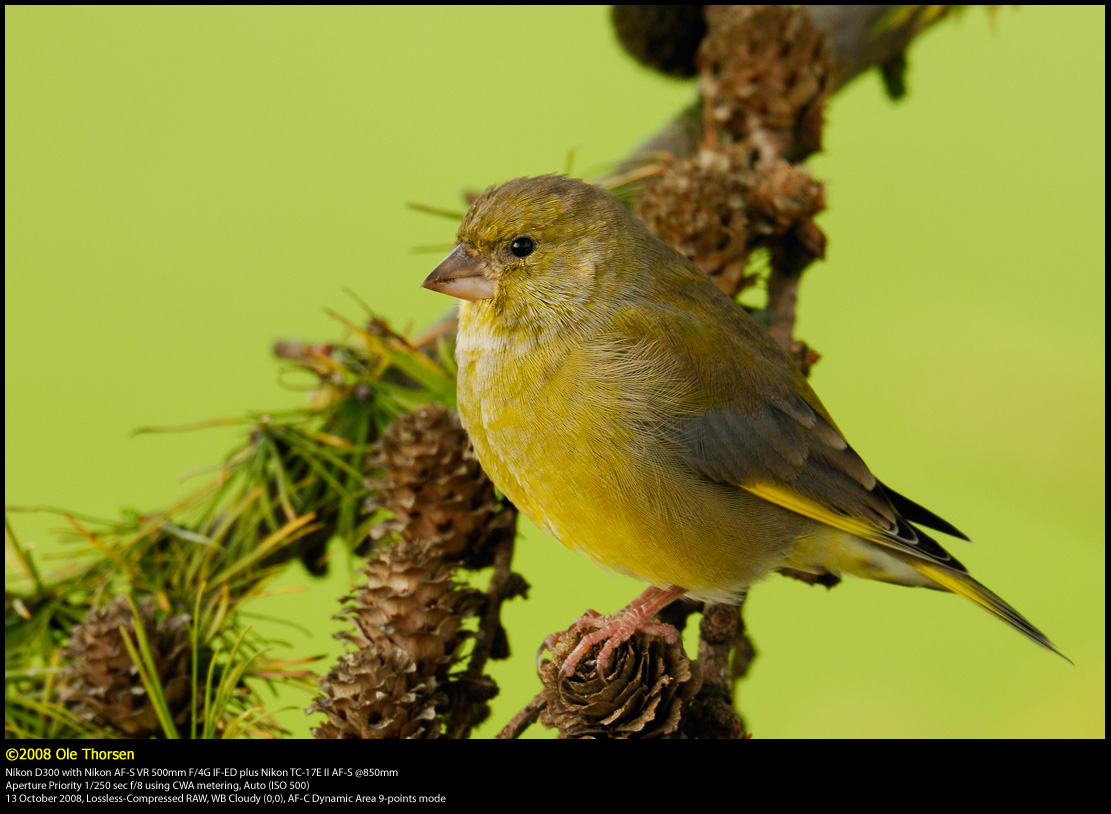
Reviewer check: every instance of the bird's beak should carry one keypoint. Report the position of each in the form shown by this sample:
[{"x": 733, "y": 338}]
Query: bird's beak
[{"x": 461, "y": 275}]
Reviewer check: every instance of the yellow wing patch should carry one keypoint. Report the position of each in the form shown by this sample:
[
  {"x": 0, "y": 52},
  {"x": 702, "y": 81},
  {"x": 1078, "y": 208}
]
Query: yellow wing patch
[
  {"x": 941, "y": 575},
  {"x": 816, "y": 511}
]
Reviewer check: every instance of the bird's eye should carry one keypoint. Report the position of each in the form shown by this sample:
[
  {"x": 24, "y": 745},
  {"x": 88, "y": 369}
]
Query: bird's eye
[{"x": 522, "y": 246}]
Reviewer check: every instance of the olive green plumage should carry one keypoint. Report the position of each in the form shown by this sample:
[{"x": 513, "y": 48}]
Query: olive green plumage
[{"x": 636, "y": 413}]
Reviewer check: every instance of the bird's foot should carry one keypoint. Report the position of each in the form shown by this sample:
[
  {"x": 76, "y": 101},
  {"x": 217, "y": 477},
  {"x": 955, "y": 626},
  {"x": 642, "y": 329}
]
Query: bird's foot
[
  {"x": 589, "y": 619},
  {"x": 613, "y": 631}
]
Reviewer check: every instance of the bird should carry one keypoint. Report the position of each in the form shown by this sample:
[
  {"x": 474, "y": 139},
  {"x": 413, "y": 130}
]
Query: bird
[{"x": 641, "y": 416}]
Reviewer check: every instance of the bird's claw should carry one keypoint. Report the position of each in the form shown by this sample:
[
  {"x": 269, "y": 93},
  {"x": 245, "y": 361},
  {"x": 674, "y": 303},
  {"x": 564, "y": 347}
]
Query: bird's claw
[
  {"x": 608, "y": 631},
  {"x": 548, "y": 645}
]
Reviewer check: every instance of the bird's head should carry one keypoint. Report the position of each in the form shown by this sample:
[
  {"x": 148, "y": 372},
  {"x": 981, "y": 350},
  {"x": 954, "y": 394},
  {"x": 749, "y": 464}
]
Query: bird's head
[{"x": 533, "y": 249}]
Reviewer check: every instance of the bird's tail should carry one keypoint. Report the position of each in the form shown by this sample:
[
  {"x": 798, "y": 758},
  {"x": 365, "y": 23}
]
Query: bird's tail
[{"x": 959, "y": 582}]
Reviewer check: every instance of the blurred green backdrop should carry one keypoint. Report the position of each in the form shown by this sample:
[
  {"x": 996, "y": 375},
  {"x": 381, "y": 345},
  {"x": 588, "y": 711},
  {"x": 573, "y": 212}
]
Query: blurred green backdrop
[{"x": 184, "y": 185}]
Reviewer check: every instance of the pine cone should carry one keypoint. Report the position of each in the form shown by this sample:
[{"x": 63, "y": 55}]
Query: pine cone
[
  {"x": 408, "y": 615},
  {"x": 410, "y": 602},
  {"x": 645, "y": 694},
  {"x": 435, "y": 488},
  {"x": 100, "y": 683},
  {"x": 408, "y": 631},
  {"x": 785, "y": 198},
  {"x": 698, "y": 207},
  {"x": 376, "y": 695},
  {"x": 719, "y": 206},
  {"x": 769, "y": 69}
]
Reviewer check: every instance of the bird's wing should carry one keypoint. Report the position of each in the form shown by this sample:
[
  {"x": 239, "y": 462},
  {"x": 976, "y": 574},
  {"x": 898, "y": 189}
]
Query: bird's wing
[{"x": 752, "y": 420}]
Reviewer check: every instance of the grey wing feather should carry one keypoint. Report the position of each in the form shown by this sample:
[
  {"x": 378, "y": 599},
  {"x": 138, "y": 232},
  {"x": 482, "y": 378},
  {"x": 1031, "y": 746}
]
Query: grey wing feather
[{"x": 788, "y": 444}]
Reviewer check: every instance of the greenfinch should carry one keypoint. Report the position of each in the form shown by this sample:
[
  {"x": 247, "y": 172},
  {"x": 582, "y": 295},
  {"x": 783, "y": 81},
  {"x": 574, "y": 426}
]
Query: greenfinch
[{"x": 639, "y": 415}]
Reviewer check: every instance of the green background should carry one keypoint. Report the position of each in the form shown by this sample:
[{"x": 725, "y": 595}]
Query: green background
[{"x": 184, "y": 185}]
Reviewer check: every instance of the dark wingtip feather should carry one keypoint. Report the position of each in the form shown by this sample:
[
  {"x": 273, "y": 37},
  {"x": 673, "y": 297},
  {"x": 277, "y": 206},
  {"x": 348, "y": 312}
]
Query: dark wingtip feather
[{"x": 920, "y": 514}]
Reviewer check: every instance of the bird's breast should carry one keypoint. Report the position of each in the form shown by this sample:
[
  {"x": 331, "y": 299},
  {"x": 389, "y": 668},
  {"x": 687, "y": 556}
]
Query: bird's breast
[
  {"x": 574, "y": 432},
  {"x": 516, "y": 400}
]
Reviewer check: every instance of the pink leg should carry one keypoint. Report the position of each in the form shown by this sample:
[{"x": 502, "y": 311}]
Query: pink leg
[{"x": 617, "y": 629}]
